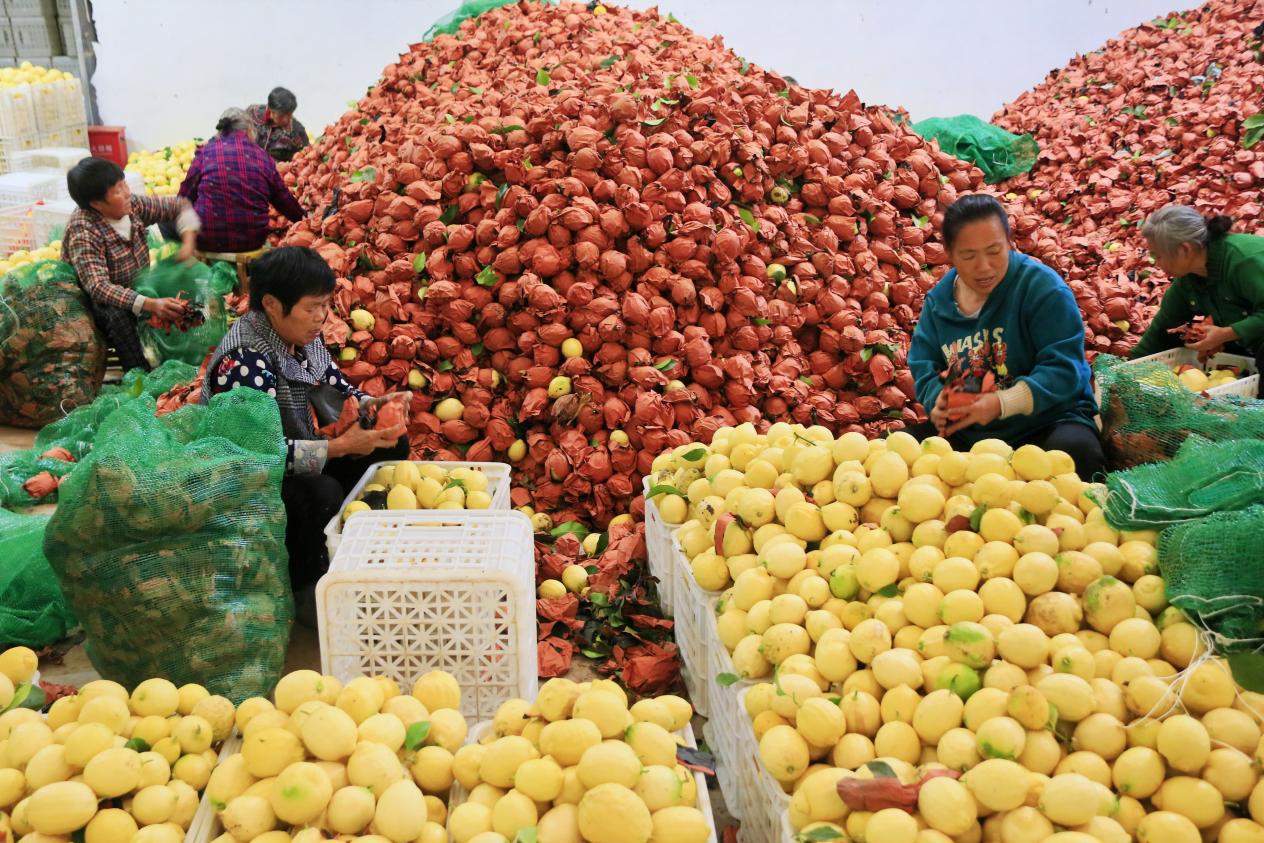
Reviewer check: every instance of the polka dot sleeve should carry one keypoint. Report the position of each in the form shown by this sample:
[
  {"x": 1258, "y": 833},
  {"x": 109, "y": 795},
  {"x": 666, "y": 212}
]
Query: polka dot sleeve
[
  {"x": 334, "y": 377},
  {"x": 247, "y": 368}
]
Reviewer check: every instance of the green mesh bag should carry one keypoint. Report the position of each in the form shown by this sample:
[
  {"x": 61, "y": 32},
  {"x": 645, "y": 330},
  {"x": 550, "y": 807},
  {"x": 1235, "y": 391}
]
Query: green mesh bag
[
  {"x": 1147, "y": 415},
  {"x": 1202, "y": 562},
  {"x": 169, "y": 544},
  {"x": 451, "y": 22},
  {"x": 1202, "y": 478},
  {"x": 49, "y": 345},
  {"x": 205, "y": 288},
  {"x": 33, "y": 612},
  {"x": 993, "y": 150}
]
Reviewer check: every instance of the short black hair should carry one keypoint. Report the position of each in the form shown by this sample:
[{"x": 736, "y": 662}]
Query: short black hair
[
  {"x": 90, "y": 179},
  {"x": 282, "y": 100},
  {"x": 971, "y": 208},
  {"x": 288, "y": 274}
]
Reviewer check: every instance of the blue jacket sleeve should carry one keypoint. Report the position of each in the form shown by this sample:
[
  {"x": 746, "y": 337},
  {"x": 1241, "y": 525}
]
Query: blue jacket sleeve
[
  {"x": 1055, "y": 327},
  {"x": 926, "y": 358}
]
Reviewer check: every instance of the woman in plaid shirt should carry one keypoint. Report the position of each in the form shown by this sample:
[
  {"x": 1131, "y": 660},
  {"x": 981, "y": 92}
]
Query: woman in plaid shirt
[{"x": 106, "y": 242}]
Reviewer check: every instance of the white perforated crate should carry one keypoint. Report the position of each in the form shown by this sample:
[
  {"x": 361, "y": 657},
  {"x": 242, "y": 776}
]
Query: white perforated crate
[
  {"x": 53, "y": 137},
  {"x": 48, "y": 217},
  {"x": 76, "y": 135},
  {"x": 17, "y": 113},
  {"x": 658, "y": 546},
  {"x": 410, "y": 592},
  {"x": 498, "y": 473},
  {"x": 16, "y": 229},
  {"x": 36, "y": 38},
  {"x": 70, "y": 104},
  {"x": 480, "y": 731},
  {"x": 206, "y": 825},
  {"x": 750, "y": 791},
  {"x": 52, "y": 157},
  {"x": 27, "y": 188},
  {"x": 46, "y": 98},
  {"x": 694, "y": 610}
]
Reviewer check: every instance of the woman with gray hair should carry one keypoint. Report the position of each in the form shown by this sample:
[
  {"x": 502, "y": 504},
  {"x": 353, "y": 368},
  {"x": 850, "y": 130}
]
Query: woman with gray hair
[
  {"x": 1215, "y": 275},
  {"x": 231, "y": 183}
]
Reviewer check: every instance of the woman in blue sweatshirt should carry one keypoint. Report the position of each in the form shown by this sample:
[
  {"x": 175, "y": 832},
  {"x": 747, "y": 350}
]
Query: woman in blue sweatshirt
[{"x": 1001, "y": 317}]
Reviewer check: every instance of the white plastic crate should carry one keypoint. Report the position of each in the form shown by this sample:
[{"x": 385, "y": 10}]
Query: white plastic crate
[
  {"x": 60, "y": 158},
  {"x": 751, "y": 790},
  {"x": 454, "y": 590},
  {"x": 498, "y": 473},
  {"x": 694, "y": 610},
  {"x": 17, "y": 112},
  {"x": 1247, "y": 386},
  {"x": 76, "y": 136},
  {"x": 46, "y": 99},
  {"x": 480, "y": 731},
  {"x": 30, "y": 8},
  {"x": 48, "y": 216},
  {"x": 27, "y": 188},
  {"x": 55, "y": 137},
  {"x": 16, "y": 229},
  {"x": 659, "y": 548},
  {"x": 70, "y": 104},
  {"x": 206, "y": 825},
  {"x": 67, "y": 64}
]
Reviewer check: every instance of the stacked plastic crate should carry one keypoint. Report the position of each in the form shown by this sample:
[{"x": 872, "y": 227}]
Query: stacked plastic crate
[{"x": 32, "y": 32}]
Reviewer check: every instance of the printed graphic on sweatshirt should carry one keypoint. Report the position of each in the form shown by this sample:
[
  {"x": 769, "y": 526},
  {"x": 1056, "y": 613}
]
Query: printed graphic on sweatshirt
[{"x": 973, "y": 357}]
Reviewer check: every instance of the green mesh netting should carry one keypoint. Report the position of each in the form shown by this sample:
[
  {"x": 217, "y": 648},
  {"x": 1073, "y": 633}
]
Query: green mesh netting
[
  {"x": 203, "y": 286},
  {"x": 1147, "y": 414},
  {"x": 993, "y": 150},
  {"x": 451, "y": 22},
  {"x": 52, "y": 358},
  {"x": 1202, "y": 478},
  {"x": 169, "y": 544},
  {"x": 1208, "y": 565},
  {"x": 33, "y": 612}
]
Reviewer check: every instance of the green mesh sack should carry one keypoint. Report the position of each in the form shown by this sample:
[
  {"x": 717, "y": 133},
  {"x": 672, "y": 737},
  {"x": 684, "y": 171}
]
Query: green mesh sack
[
  {"x": 1202, "y": 562},
  {"x": 1147, "y": 415},
  {"x": 993, "y": 150},
  {"x": 451, "y": 22},
  {"x": 1202, "y": 478},
  {"x": 204, "y": 289},
  {"x": 169, "y": 544},
  {"x": 33, "y": 612},
  {"x": 49, "y": 345}
]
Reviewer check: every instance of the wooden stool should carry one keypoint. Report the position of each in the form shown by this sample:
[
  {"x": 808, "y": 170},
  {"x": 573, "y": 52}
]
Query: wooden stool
[{"x": 241, "y": 260}]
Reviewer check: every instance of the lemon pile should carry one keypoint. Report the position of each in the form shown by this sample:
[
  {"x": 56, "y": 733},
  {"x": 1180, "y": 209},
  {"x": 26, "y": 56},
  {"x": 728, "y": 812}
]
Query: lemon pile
[
  {"x": 164, "y": 169},
  {"x": 1196, "y": 380},
  {"x": 579, "y": 765},
  {"x": 924, "y": 608},
  {"x": 411, "y": 485},
  {"x": 359, "y": 759},
  {"x": 22, "y": 257},
  {"x": 114, "y": 766},
  {"x": 30, "y": 74}
]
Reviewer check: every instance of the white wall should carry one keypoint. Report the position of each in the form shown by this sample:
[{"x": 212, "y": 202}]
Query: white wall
[{"x": 166, "y": 70}]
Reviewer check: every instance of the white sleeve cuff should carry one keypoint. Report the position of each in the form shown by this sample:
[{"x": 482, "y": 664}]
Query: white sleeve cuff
[
  {"x": 188, "y": 221},
  {"x": 1016, "y": 400},
  {"x": 138, "y": 304}
]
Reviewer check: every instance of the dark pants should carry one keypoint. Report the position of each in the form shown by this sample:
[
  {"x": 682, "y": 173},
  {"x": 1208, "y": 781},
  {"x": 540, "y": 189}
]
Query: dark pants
[
  {"x": 1079, "y": 441},
  {"x": 119, "y": 326},
  {"x": 312, "y": 499}
]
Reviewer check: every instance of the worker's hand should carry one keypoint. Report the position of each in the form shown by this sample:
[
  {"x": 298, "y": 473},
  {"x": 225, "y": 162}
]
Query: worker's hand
[
  {"x": 381, "y": 400},
  {"x": 939, "y": 413},
  {"x": 186, "y": 252},
  {"x": 985, "y": 410},
  {"x": 169, "y": 309},
  {"x": 1213, "y": 341},
  {"x": 358, "y": 441}
]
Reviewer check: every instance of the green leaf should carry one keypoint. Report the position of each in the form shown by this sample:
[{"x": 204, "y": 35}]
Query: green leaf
[
  {"x": 416, "y": 735},
  {"x": 594, "y": 654},
  {"x": 892, "y": 590},
  {"x": 20, "y": 695},
  {"x": 598, "y": 599},
  {"x": 881, "y": 770},
  {"x": 664, "y": 365},
  {"x": 542, "y": 77},
  {"x": 419, "y": 263},
  {"x": 1248, "y": 670},
  {"x": 476, "y": 91},
  {"x": 449, "y": 119},
  {"x": 449, "y": 214},
  {"x": 692, "y": 80},
  {"x": 727, "y": 679},
  {"x": 138, "y": 744},
  {"x": 742, "y": 65},
  {"x": 785, "y": 93},
  {"x": 748, "y": 218},
  {"x": 367, "y": 174},
  {"x": 602, "y": 543},
  {"x": 487, "y": 277},
  {"x": 655, "y": 122},
  {"x": 695, "y": 455},
  {"x": 866, "y": 353},
  {"x": 573, "y": 528},
  {"x": 455, "y": 87},
  {"x": 663, "y": 489},
  {"x": 454, "y": 484},
  {"x": 504, "y": 130},
  {"x": 759, "y": 320},
  {"x": 526, "y": 835},
  {"x": 609, "y": 60},
  {"x": 521, "y": 224},
  {"x": 445, "y": 366},
  {"x": 818, "y": 834},
  {"x": 476, "y": 349},
  {"x": 976, "y": 517},
  {"x": 811, "y": 219},
  {"x": 500, "y": 193}
]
